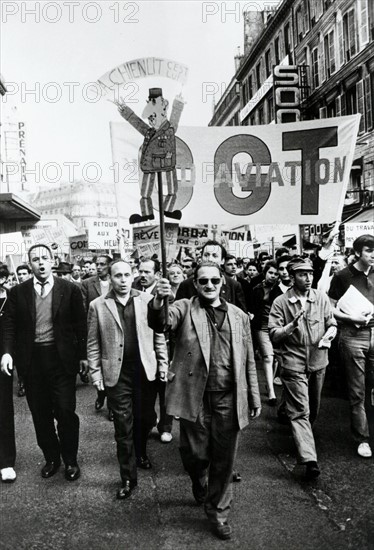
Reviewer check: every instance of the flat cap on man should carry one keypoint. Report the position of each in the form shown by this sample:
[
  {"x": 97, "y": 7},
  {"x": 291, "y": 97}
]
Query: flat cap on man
[{"x": 299, "y": 264}]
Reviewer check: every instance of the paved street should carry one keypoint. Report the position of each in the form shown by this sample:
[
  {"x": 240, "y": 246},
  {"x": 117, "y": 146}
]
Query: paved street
[{"x": 273, "y": 507}]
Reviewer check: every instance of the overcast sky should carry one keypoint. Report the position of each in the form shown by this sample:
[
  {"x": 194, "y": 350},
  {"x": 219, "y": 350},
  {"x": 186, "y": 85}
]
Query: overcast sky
[{"x": 90, "y": 38}]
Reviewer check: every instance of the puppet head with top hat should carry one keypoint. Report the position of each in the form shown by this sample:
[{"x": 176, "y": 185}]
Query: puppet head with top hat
[{"x": 156, "y": 109}]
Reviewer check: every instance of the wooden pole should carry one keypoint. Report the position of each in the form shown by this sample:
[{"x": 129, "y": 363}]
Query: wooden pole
[{"x": 162, "y": 235}]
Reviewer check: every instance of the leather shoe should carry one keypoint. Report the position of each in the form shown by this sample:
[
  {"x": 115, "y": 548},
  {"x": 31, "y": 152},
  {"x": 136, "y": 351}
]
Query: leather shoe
[
  {"x": 222, "y": 530},
  {"x": 126, "y": 489},
  {"x": 50, "y": 468},
  {"x": 199, "y": 491},
  {"x": 99, "y": 403},
  {"x": 312, "y": 470},
  {"x": 144, "y": 462},
  {"x": 72, "y": 472},
  {"x": 176, "y": 214},
  {"x": 110, "y": 415},
  {"x": 236, "y": 477},
  {"x": 84, "y": 378}
]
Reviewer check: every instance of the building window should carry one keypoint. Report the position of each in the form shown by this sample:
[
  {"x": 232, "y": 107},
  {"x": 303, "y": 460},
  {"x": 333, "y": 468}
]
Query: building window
[
  {"x": 361, "y": 104},
  {"x": 363, "y": 22},
  {"x": 261, "y": 118},
  {"x": 270, "y": 109},
  {"x": 331, "y": 109},
  {"x": 316, "y": 10},
  {"x": 315, "y": 71},
  {"x": 369, "y": 102},
  {"x": 250, "y": 87},
  {"x": 268, "y": 63},
  {"x": 349, "y": 34},
  {"x": 258, "y": 75},
  {"x": 276, "y": 51},
  {"x": 323, "y": 112},
  {"x": 330, "y": 53},
  {"x": 351, "y": 101},
  {"x": 287, "y": 42}
]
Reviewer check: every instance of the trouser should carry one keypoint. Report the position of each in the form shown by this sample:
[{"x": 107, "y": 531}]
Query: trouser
[
  {"x": 211, "y": 444},
  {"x": 132, "y": 401},
  {"x": 356, "y": 347},
  {"x": 303, "y": 398},
  {"x": 165, "y": 422},
  {"x": 148, "y": 182},
  {"x": 50, "y": 393},
  {"x": 7, "y": 435}
]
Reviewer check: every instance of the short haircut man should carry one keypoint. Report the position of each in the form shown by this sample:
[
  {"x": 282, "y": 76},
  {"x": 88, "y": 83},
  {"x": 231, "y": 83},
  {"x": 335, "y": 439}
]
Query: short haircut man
[
  {"x": 45, "y": 335},
  {"x": 125, "y": 356},
  {"x": 356, "y": 341},
  {"x": 23, "y": 273},
  {"x": 298, "y": 321}
]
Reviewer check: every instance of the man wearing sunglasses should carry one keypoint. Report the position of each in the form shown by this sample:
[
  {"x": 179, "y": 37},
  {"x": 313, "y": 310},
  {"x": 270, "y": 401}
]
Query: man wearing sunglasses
[
  {"x": 212, "y": 386},
  {"x": 230, "y": 290}
]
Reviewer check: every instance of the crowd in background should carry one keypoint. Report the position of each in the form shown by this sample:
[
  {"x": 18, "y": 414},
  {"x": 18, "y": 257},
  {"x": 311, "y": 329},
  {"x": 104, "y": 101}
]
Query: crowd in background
[{"x": 289, "y": 299}]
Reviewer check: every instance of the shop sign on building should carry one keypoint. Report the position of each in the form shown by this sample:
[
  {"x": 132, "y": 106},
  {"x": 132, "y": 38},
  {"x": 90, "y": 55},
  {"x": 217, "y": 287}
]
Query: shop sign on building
[{"x": 354, "y": 230}]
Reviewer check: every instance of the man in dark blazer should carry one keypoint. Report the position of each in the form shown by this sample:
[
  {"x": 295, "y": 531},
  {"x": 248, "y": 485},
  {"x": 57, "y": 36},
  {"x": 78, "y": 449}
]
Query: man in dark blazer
[
  {"x": 92, "y": 288},
  {"x": 45, "y": 335},
  {"x": 231, "y": 290},
  {"x": 212, "y": 386}
]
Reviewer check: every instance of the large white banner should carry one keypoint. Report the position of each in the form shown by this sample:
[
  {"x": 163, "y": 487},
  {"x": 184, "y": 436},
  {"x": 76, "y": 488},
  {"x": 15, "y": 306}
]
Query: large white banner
[{"x": 286, "y": 173}]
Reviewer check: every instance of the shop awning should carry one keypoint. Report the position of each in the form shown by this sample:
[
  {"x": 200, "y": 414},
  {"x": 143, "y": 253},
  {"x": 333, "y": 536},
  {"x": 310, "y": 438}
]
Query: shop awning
[
  {"x": 16, "y": 209},
  {"x": 365, "y": 216}
]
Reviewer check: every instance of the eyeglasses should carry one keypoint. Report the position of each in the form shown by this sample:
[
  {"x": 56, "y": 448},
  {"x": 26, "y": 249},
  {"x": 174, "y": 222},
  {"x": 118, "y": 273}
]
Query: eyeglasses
[{"x": 204, "y": 281}]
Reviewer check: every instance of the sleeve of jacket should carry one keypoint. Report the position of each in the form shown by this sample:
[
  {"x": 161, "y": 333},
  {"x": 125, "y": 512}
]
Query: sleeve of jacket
[
  {"x": 239, "y": 297},
  {"x": 9, "y": 323},
  {"x": 94, "y": 345},
  {"x": 330, "y": 320},
  {"x": 176, "y": 113},
  {"x": 277, "y": 323},
  {"x": 135, "y": 121},
  {"x": 184, "y": 290},
  {"x": 79, "y": 320},
  {"x": 177, "y": 312},
  {"x": 84, "y": 291},
  {"x": 161, "y": 352},
  {"x": 254, "y": 400}
]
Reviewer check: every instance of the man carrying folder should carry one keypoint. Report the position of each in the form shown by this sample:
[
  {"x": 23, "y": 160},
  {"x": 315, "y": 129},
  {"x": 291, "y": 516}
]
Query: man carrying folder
[{"x": 357, "y": 336}]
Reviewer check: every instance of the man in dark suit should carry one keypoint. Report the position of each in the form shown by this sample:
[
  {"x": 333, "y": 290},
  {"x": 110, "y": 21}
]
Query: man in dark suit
[
  {"x": 231, "y": 290},
  {"x": 45, "y": 335},
  {"x": 7, "y": 435},
  {"x": 92, "y": 288}
]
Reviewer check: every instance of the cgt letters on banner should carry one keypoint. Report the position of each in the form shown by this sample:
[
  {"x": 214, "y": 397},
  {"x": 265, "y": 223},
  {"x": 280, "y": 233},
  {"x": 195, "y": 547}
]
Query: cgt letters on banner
[{"x": 295, "y": 172}]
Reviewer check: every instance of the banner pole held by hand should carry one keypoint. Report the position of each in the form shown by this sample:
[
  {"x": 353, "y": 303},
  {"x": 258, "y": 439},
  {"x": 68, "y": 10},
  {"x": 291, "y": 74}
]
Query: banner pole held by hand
[{"x": 162, "y": 236}]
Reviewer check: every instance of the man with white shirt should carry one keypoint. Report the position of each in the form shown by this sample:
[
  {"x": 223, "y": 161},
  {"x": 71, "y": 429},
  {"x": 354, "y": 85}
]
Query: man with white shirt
[
  {"x": 45, "y": 335},
  {"x": 149, "y": 271}
]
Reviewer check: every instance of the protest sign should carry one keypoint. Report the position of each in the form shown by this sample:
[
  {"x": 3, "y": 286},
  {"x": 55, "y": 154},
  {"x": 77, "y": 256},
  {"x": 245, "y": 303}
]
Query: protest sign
[
  {"x": 249, "y": 175},
  {"x": 131, "y": 71},
  {"x": 147, "y": 240},
  {"x": 354, "y": 230}
]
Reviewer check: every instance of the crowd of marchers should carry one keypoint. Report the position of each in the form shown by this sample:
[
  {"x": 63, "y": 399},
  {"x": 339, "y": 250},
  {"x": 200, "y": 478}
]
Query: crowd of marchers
[{"x": 188, "y": 342}]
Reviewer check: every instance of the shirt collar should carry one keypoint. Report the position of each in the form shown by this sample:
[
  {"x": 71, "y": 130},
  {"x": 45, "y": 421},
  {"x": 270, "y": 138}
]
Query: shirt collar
[
  {"x": 222, "y": 306},
  {"x": 293, "y": 297},
  {"x": 150, "y": 288},
  {"x": 49, "y": 281}
]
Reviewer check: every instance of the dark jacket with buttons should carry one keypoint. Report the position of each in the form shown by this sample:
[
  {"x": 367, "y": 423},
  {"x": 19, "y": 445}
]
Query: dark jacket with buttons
[{"x": 188, "y": 373}]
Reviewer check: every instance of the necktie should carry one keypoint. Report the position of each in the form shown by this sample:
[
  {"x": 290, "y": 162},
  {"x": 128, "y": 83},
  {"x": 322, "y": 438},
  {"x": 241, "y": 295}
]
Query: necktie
[{"x": 42, "y": 289}]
